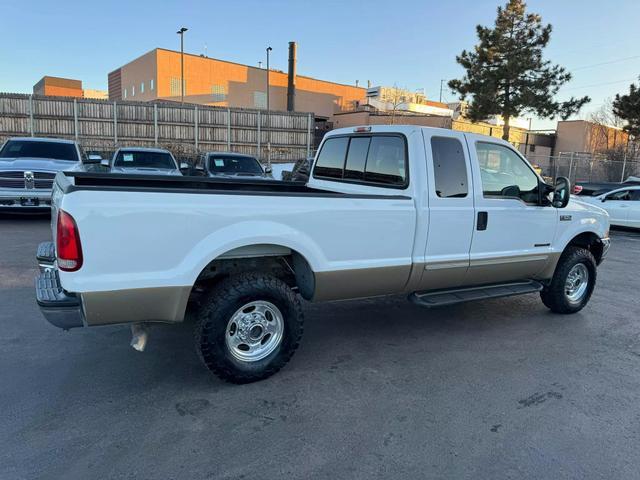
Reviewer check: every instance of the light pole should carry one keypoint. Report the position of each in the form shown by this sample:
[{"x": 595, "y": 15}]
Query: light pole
[
  {"x": 181, "y": 33},
  {"x": 269, "y": 49}
]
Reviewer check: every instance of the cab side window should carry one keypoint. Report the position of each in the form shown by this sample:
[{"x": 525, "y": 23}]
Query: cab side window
[
  {"x": 449, "y": 167},
  {"x": 505, "y": 174}
]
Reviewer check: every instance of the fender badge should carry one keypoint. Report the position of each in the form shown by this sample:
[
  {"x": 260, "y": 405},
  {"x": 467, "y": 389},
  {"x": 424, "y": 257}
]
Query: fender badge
[{"x": 565, "y": 218}]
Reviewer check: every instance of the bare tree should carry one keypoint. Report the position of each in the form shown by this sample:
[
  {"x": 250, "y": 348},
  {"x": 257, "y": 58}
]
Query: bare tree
[
  {"x": 606, "y": 129},
  {"x": 394, "y": 98},
  {"x": 615, "y": 155}
]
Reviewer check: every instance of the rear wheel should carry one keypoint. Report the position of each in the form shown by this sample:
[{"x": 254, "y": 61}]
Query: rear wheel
[
  {"x": 249, "y": 327},
  {"x": 572, "y": 283}
]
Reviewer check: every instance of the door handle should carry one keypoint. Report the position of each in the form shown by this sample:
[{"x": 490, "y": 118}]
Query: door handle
[{"x": 483, "y": 219}]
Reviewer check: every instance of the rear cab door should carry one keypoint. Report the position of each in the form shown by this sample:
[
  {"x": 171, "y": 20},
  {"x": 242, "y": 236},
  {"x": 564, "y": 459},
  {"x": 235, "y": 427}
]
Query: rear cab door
[
  {"x": 451, "y": 209},
  {"x": 513, "y": 233},
  {"x": 373, "y": 233}
]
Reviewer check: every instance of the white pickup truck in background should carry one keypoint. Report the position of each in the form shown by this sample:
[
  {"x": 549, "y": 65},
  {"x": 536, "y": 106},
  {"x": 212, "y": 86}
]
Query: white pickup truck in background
[{"x": 439, "y": 215}]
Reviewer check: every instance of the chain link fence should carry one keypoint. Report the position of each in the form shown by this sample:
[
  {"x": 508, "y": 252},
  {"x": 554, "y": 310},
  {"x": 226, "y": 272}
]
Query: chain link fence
[{"x": 584, "y": 167}]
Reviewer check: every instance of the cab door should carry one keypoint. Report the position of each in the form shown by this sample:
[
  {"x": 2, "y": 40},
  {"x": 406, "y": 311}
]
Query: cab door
[
  {"x": 451, "y": 210},
  {"x": 513, "y": 233}
]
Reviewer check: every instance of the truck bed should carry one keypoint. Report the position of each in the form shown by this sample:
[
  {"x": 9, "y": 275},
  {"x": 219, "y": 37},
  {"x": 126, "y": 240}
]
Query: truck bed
[{"x": 155, "y": 183}]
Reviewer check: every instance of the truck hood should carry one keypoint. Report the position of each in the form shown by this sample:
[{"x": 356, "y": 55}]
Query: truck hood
[
  {"x": 587, "y": 203},
  {"x": 587, "y": 213},
  {"x": 145, "y": 171},
  {"x": 36, "y": 164}
]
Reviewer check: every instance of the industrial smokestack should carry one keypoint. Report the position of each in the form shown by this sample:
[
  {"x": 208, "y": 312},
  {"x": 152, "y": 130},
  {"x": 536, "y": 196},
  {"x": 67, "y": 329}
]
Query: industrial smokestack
[{"x": 291, "y": 85}]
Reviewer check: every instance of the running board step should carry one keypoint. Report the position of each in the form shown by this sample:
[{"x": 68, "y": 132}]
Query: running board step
[{"x": 441, "y": 298}]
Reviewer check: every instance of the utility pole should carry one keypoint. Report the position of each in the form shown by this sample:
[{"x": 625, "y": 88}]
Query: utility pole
[
  {"x": 269, "y": 49},
  {"x": 441, "y": 82},
  {"x": 181, "y": 33}
]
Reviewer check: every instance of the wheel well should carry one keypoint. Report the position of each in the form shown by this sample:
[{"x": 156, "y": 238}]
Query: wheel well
[
  {"x": 281, "y": 262},
  {"x": 591, "y": 242}
]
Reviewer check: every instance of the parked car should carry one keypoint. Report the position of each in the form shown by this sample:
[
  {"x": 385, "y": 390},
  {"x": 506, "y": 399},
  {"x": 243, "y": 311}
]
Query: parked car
[
  {"x": 231, "y": 165},
  {"x": 27, "y": 168},
  {"x": 439, "y": 215},
  {"x": 143, "y": 161},
  {"x": 622, "y": 205},
  {"x": 280, "y": 170},
  {"x": 591, "y": 189},
  {"x": 300, "y": 171}
]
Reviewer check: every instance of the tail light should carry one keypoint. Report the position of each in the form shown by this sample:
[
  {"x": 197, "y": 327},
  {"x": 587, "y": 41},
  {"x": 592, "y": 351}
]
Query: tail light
[
  {"x": 577, "y": 189},
  {"x": 68, "y": 247}
]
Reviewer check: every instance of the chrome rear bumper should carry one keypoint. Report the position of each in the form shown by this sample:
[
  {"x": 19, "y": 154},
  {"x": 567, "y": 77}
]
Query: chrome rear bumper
[
  {"x": 46, "y": 256},
  {"x": 61, "y": 309}
]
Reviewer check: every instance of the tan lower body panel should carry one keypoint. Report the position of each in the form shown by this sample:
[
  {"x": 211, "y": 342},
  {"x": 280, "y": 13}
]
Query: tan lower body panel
[
  {"x": 361, "y": 282},
  {"x": 483, "y": 272},
  {"x": 161, "y": 304},
  {"x": 496, "y": 270}
]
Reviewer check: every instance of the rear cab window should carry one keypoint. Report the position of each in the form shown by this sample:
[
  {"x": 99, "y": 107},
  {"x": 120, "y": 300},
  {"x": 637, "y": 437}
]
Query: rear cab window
[{"x": 376, "y": 159}]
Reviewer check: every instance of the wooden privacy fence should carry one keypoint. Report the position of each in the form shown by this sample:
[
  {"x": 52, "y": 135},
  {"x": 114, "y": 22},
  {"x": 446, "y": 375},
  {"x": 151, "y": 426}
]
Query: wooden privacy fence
[{"x": 186, "y": 130}]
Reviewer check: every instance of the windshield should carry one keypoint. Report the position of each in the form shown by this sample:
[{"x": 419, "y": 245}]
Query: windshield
[
  {"x": 35, "y": 149},
  {"x": 133, "y": 159},
  {"x": 234, "y": 165}
]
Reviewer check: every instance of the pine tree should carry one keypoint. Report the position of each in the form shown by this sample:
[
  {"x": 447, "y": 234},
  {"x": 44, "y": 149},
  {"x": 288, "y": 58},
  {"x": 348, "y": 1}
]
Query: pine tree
[
  {"x": 506, "y": 74},
  {"x": 627, "y": 107}
]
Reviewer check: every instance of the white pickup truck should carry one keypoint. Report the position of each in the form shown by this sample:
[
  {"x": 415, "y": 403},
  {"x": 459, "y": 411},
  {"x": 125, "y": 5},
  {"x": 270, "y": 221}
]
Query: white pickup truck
[{"x": 439, "y": 215}]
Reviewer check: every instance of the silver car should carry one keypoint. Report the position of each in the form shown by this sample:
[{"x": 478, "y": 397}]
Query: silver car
[
  {"x": 27, "y": 168},
  {"x": 232, "y": 165},
  {"x": 144, "y": 161}
]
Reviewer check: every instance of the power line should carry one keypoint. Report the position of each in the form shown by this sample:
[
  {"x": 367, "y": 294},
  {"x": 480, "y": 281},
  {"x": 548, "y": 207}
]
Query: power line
[
  {"x": 599, "y": 84},
  {"x": 605, "y": 63}
]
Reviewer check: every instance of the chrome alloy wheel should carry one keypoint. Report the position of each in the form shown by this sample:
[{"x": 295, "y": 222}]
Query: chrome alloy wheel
[
  {"x": 577, "y": 283},
  {"x": 254, "y": 331}
]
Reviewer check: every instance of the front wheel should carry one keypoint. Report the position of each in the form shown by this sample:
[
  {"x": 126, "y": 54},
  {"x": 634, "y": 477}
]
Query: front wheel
[
  {"x": 572, "y": 283},
  {"x": 249, "y": 327}
]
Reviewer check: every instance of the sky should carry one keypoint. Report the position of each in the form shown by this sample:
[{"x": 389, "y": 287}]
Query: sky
[{"x": 409, "y": 43}]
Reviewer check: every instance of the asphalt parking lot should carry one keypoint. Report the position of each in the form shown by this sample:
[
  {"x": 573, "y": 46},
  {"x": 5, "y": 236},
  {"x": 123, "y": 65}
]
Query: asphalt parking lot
[{"x": 378, "y": 389}]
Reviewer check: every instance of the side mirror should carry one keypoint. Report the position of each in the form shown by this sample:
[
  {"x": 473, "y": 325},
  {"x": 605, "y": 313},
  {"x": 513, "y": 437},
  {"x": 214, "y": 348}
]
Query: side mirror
[
  {"x": 200, "y": 168},
  {"x": 603, "y": 199},
  {"x": 268, "y": 169},
  {"x": 561, "y": 192},
  {"x": 104, "y": 163},
  {"x": 93, "y": 159},
  {"x": 184, "y": 166}
]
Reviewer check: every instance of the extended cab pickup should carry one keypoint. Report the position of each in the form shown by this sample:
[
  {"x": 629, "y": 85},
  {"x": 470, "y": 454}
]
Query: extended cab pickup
[{"x": 439, "y": 215}]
